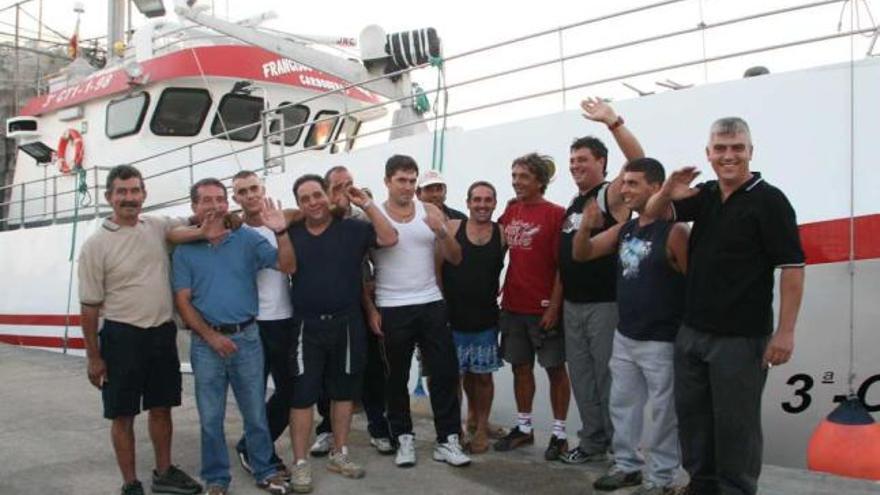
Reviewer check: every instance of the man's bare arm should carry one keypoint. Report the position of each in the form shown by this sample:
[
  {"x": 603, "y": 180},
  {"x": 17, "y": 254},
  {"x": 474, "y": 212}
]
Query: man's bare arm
[
  {"x": 677, "y": 247},
  {"x": 791, "y": 291},
  {"x": 97, "y": 368}
]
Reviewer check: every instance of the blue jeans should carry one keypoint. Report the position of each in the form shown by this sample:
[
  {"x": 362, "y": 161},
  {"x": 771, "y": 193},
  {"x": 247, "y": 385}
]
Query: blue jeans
[{"x": 244, "y": 371}]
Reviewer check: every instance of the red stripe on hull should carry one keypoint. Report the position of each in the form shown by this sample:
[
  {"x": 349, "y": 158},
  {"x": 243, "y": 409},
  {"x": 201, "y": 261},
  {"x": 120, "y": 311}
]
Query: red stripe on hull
[
  {"x": 40, "y": 320},
  {"x": 828, "y": 241},
  {"x": 40, "y": 341}
]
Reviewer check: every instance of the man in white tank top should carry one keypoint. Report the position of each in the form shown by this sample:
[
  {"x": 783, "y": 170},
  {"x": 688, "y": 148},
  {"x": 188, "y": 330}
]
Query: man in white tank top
[
  {"x": 411, "y": 311},
  {"x": 275, "y": 313}
]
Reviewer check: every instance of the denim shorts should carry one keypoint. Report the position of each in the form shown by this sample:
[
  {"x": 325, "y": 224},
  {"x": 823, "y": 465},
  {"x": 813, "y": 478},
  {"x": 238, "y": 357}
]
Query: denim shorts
[{"x": 477, "y": 351}]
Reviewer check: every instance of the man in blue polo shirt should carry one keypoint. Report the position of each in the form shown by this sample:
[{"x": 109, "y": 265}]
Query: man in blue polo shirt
[{"x": 215, "y": 290}]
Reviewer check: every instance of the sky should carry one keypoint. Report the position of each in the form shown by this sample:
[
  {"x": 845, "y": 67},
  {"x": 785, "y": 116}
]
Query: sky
[{"x": 466, "y": 24}]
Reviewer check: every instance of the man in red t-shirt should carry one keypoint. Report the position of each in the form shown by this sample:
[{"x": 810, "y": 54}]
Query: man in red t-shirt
[{"x": 531, "y": 299}]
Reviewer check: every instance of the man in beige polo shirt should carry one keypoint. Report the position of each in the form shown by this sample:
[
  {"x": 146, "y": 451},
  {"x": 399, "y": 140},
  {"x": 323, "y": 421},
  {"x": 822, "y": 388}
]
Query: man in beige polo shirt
[{"x": 124, "y": 277}]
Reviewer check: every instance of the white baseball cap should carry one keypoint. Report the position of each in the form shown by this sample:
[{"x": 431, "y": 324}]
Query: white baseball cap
[{"x": 429, "y": 178}]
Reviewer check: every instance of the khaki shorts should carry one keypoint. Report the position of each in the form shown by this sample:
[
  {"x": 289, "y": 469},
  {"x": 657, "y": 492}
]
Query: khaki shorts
[{"x": 522, "y": 338}]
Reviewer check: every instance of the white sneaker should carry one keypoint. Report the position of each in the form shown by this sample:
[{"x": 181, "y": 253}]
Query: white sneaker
[
  {"x": 406, "y": 451},
  {"x": 322, "y": 446},
  {"x": 451, "y": 452},
  {"x": 301, "y": 479},
  {"x": 382, "y": 445}
]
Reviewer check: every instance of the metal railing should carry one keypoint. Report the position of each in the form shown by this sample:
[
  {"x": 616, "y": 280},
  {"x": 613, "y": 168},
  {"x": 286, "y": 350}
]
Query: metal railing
[{"x": 275, "y": 138}]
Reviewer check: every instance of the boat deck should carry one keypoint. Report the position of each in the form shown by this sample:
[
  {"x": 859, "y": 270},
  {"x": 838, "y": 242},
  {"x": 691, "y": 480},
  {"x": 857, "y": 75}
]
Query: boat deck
[{"x": 55, "y": 441}]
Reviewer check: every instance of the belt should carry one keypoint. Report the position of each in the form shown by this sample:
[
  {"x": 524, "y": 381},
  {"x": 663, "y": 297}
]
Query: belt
[
  {"x": 328, "y": 316},
  {"x": 233, "y": 328}
]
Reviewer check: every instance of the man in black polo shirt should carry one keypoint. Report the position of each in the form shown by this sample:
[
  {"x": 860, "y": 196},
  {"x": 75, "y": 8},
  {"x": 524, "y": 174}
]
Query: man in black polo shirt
[
  {"x": 326, "y": 294},
  {"x": 743, "y": 230}
]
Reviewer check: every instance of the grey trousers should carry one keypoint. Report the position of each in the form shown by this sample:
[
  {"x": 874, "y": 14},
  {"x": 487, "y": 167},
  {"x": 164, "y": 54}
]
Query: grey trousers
[
  {"x": 718, "y": 385},
  {"x": 642, "y": 370},
  {"x": 589, "y": 335}
]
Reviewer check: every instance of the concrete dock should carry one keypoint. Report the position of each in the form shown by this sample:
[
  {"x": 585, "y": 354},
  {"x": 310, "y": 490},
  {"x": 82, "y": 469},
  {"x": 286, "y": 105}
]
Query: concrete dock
[{"x": 54, "y": 440}]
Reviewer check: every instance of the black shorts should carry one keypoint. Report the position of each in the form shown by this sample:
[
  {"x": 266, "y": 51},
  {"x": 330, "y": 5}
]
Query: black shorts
[
  {"x": 143, "y": 369},
  {"x": 328, "y": 359}
]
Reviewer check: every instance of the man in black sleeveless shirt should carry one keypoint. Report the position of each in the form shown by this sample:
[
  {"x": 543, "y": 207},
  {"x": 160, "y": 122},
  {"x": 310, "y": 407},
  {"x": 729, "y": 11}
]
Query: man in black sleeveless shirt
[
  {"x": 471, "y": 293},
  {"x": 589, "y": 307},
  {"x": 652, "y": 260}
]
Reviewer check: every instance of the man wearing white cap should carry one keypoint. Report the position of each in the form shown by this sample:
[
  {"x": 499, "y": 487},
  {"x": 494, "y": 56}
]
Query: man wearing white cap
[{"x": 432, "y": 189}]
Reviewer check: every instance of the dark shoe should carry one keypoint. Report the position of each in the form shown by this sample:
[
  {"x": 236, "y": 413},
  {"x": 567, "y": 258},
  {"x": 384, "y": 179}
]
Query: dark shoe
[
  {"x": 133, "y": 488},
  {"x": 556, "y": 448},
  {"x": 175, "y": 481},
  {"x": 580, "y": 456},
  {"x": 516, "y": 438},
  {"x": 616, "y": 479},
  {"x": 275, "y": 484}
]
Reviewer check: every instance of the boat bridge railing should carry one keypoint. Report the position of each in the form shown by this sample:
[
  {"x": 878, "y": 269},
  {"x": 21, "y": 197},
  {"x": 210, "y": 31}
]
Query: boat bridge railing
[{"x": 45, "y": 201}]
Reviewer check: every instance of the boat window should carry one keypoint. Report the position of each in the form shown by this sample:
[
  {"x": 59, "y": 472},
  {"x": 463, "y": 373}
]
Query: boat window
[
  {"x": 125, "y": 116},
  {"x": 180, "y": 112},
  {"x": 322, "y": 129},
  {"x": 346, "y": 135},
  {"x": 293, "y": 116},
  {"x": 237, "y": 111}
]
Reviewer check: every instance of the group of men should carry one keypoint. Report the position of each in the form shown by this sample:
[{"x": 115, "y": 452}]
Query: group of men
[{"x": 332, "y": 300}]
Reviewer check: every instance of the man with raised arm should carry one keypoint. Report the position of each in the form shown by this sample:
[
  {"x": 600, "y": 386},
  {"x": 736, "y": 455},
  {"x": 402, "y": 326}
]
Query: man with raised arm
[
  {"x": 651, "y": 263},
  {"x": 743, "y": 230},
  {"x": 327, "y": 289},
  {"x": 215, "y": 284},
  {"x": 588, "y": 288},
  {"x": 531, "y": 300},
  {"x": 471, "y": 292},
  {"x": 124, "y": 277},
  {"x": 274, "y": 318},
  {"x": 339, "y": 180},
  {"x": 411, "y": 312}
]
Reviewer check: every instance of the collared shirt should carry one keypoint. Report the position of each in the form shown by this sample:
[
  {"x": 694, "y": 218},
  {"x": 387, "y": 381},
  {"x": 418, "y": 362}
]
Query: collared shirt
[
  {"x": 125, "y": 271},
  {"x": 223, "y": 277},
  {"x": 735, "y": 246}
]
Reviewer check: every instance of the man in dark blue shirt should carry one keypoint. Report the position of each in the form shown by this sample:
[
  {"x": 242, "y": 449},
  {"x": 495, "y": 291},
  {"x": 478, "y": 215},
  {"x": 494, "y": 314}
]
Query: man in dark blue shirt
[
  {"x": 743, "y": 230},
  {"x": 215, "y": 291},
  {"x": 326, "y": 294}
]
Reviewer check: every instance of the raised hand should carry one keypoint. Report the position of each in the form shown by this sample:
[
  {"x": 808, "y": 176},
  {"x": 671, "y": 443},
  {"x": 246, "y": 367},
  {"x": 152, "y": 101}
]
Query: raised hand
[
  {"x": 597, "y": 110},
  {"x": 592, "y": 217},
  {"x": 272, "y": 215},
  {"x": 357, "y": 196},
  {"x": 678, "y": 184},
  {"x": 213, "y": 226},
  {"x": 435, "y": 219}
]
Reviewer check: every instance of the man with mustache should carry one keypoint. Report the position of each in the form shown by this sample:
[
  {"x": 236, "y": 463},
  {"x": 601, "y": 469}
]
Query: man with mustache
[
  {"x": 123, "y": 276},
  {"x": 215, "y": 284}
]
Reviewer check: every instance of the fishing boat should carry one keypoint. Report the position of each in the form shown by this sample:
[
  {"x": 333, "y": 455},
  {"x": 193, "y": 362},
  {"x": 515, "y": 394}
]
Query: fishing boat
[{"x": 201, "y": 96}]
